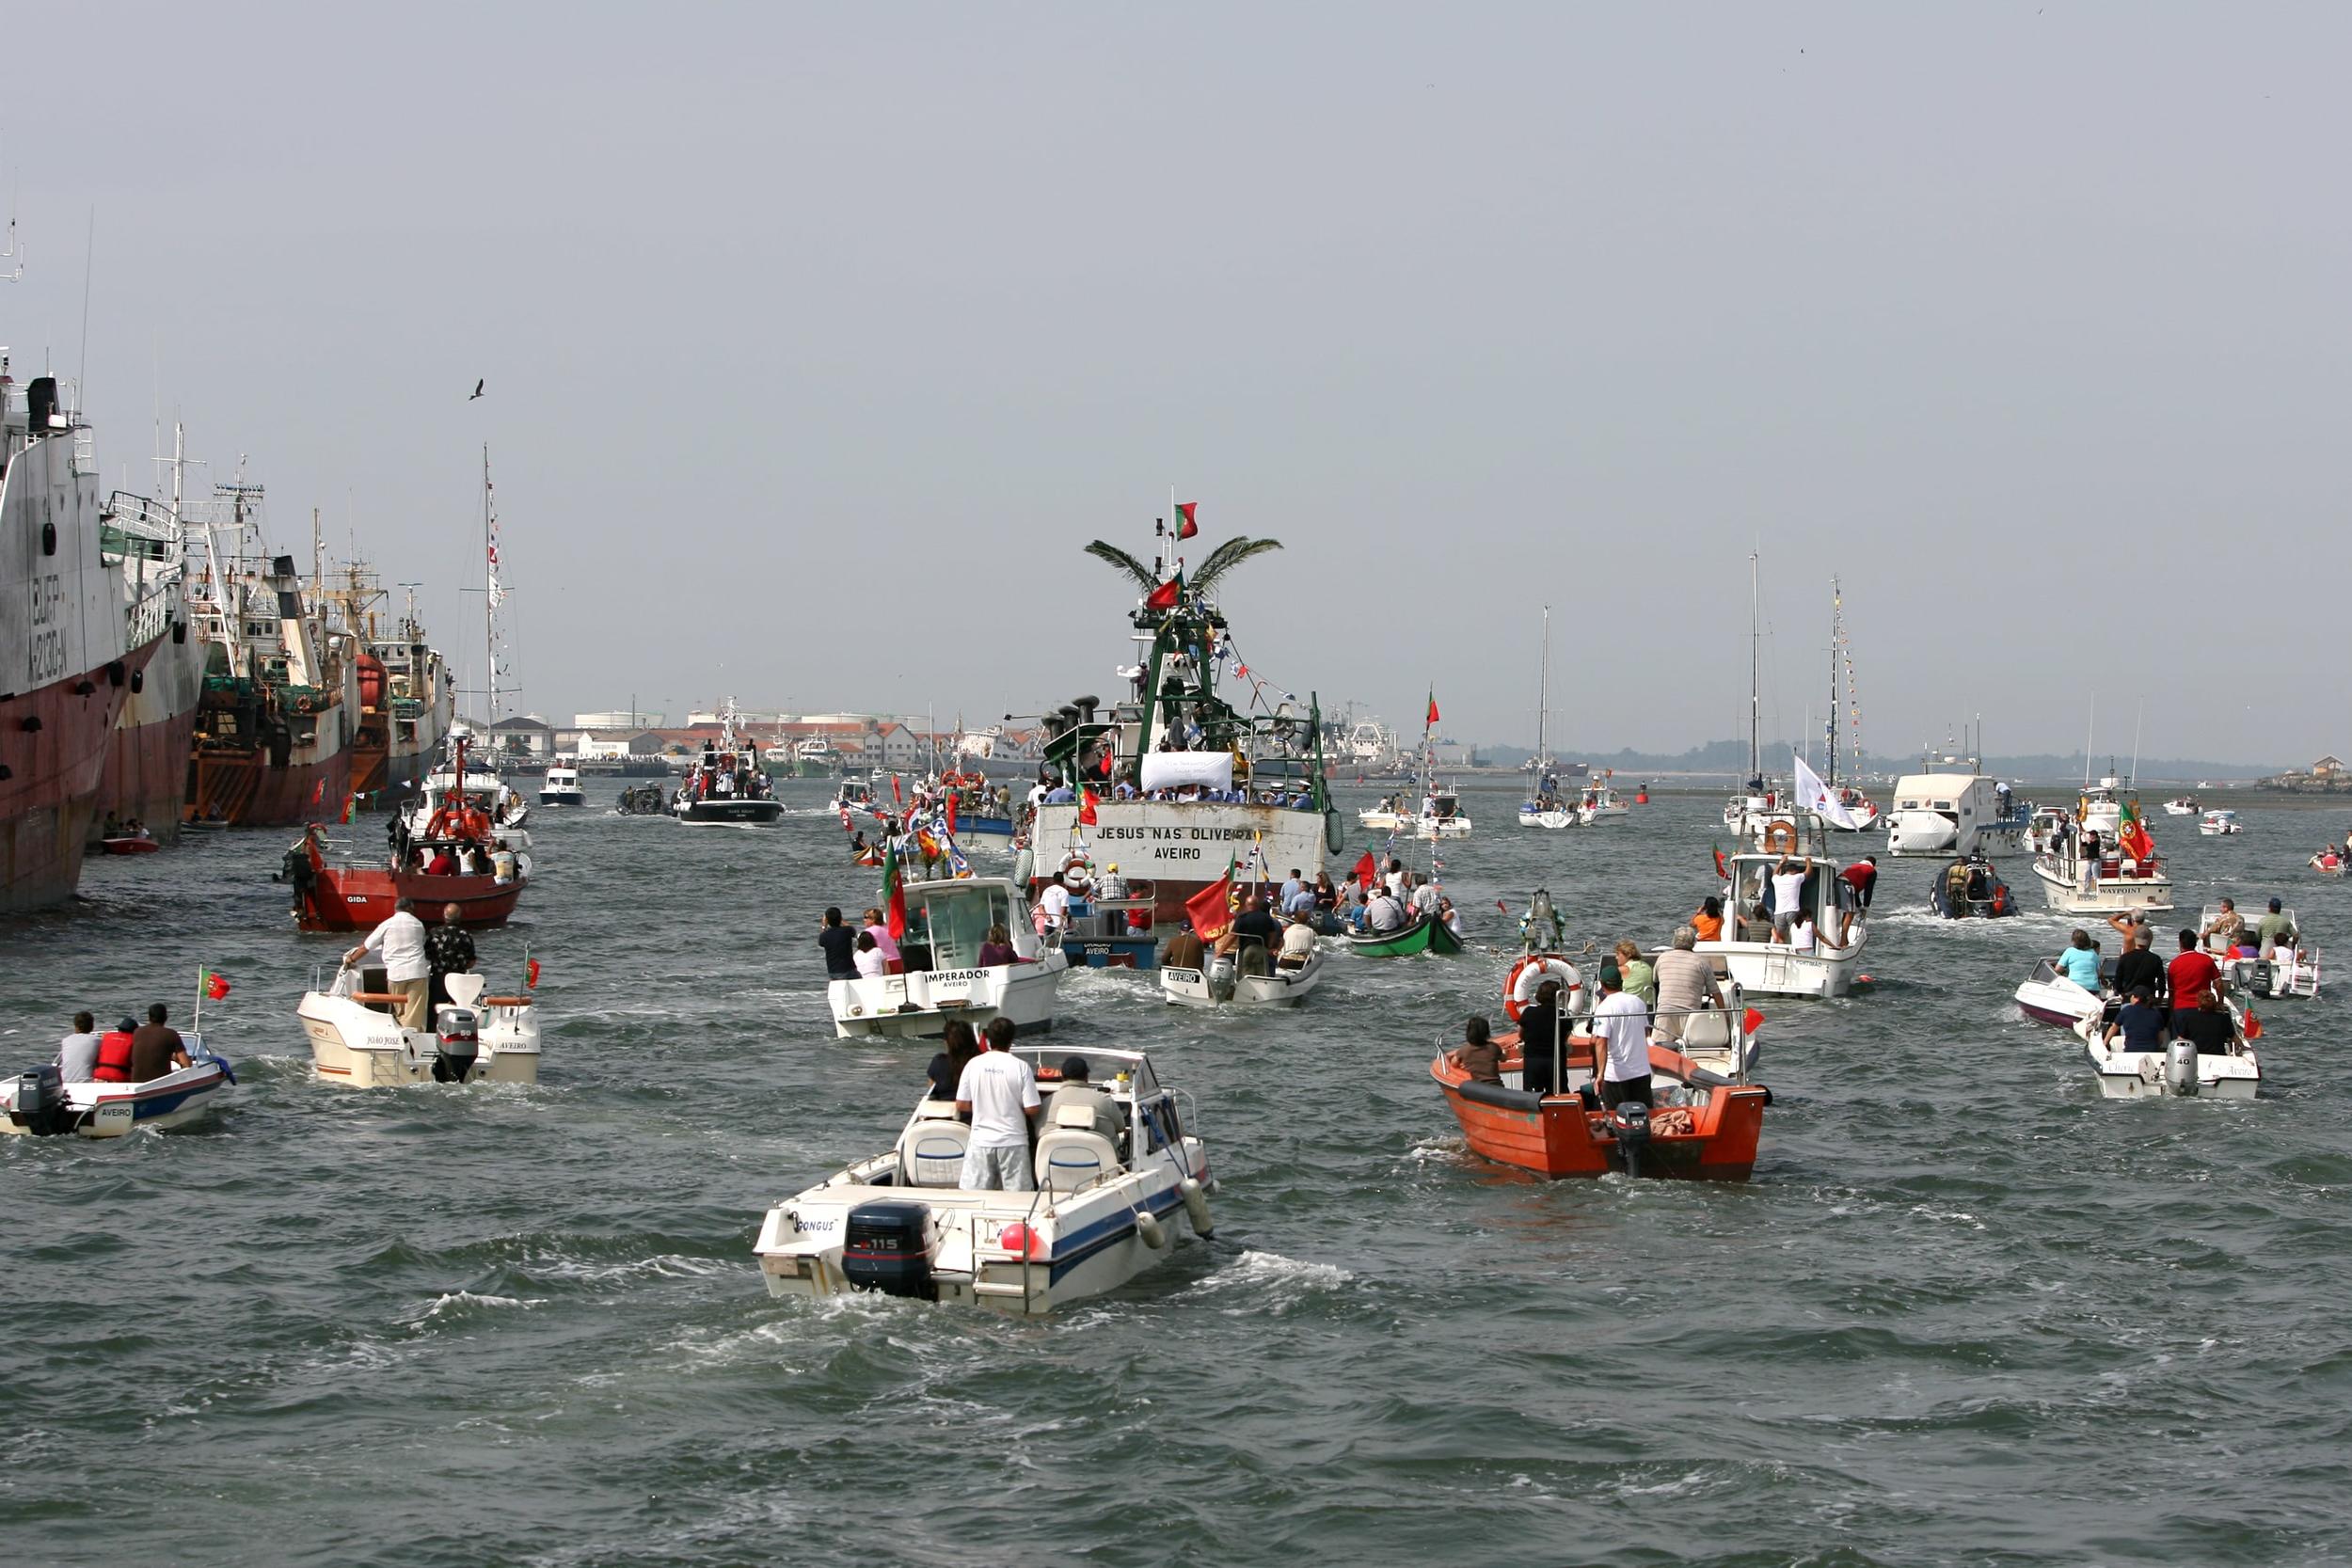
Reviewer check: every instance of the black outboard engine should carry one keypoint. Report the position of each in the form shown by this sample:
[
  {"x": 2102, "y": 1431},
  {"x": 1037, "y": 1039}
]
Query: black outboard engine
[
  {"x": 41, "y": 1106},
  {"x": 459, "y": 1045},
  {"x": 883, "y": 1249},
  {"x": 1629, "y": 1124},
  {"x": 2259, "y": 975}
]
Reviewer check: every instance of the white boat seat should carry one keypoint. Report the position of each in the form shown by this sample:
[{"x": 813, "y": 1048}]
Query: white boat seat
[
  {"x": 931, "y": 1151},
  {"x": 1069, "y": 1158},
  {"x": 1709, "y": 1030}
]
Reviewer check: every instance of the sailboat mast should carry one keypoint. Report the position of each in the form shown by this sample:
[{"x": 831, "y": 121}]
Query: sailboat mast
[
  {"x": 1543, "y": 698},
  {"x": 1836, "y": 635},
  {"x": 1755, "y": 651},
  {"x": 490, "y": 597}
]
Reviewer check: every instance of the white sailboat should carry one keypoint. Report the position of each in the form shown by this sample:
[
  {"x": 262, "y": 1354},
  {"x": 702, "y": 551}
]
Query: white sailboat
[
  {"x": 1543, "y": 807},
  {"x": 1755, "y": 806},
  {"x": 1861, "y": 810},
  {"x": 1440, "y": 814}
]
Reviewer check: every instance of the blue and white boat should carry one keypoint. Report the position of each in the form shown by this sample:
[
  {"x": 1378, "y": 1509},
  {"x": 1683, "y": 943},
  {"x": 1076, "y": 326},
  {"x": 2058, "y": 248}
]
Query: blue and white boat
[{"x": 39, "y": 1103}]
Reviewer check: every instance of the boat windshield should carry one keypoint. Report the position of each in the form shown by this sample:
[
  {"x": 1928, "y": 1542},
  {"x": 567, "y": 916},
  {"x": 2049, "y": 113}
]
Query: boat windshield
[
  {"x": 1102, "y": 1068},
  {"x": 953, "y": 920}
]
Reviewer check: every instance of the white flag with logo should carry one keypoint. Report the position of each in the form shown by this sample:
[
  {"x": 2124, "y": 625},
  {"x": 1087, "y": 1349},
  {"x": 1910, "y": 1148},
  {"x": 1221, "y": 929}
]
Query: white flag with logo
[{"x": 1813, "y": 796}]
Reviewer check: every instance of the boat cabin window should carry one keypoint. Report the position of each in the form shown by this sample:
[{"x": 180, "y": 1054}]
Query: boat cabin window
[
  {"x": 1102, "y": 1068},
  {"x": 952, "y": 923},
  {"x": 1946, "y": 805},
  {"x": 1908, "y": 805}
]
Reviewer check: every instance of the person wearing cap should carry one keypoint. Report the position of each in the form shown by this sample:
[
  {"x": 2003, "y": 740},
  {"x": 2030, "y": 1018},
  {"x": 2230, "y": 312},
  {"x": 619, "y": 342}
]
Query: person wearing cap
[
  {"x": 2276, "y": 930},
  {"x": 1110, "y": 884},
  {"x": 1623, "y": 1024},
  {"x": 114, "y": 1052},
  {"x": 1077, "y": 1089}
]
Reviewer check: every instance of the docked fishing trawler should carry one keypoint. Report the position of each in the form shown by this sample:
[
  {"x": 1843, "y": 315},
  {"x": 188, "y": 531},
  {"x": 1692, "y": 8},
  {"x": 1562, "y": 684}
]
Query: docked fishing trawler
[
  {"x": 74, "y": 638},
  {"x": 406, "y": 701},
  {"x": 281, "y": 691},
  {"x": 726, "y": 783},
  {"x": 1179, "y": 782},
  {"x": 146, "y": 776}
]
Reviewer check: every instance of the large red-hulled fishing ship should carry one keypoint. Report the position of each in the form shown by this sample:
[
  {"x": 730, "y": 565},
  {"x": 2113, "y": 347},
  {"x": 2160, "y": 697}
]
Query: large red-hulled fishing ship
[
  {"x": 406, "y": 701},
  {"x": 145, "y": 775},
  {"x": 281, "y": 695},
  {"x": 75, "y": 639}
]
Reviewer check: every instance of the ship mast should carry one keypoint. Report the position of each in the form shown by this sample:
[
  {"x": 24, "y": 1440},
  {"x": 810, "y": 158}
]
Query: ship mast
[
  {"x": 1756, "y": 654},
  {"x": 1837, "y": 634},
  {"x": 1543, "y": 701}
]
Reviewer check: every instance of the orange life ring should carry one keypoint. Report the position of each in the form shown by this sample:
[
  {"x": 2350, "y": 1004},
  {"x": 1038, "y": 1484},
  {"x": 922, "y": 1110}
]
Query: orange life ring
[
  {"x": 1780, "y": 838},
  {"x": 1552, "y": 964}
]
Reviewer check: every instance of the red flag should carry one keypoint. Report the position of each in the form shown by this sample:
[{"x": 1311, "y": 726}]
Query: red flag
[
  {"x": 530, "y": 978},
  {"x": 215, "y": 985},
  {"x": 1185, "y": 527},
  {"x": 894, "y": 893},
  {"x": 894, "y": 795},
  {"x": 951, "y": 810},
  {"x": 1433, "y": 708},
  {"x": 1366, "y": 869},
  {"x": 318, "y": 792},
  {"x": 1211, "y": 908},
  {"x": 1085, "y": 804},
  {"x": 1164, "y": 595}
]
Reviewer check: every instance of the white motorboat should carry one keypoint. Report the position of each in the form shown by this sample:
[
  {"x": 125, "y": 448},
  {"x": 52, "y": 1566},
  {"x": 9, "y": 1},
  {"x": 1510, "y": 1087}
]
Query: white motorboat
[
  {"x": 2049, "y": 997},
  {"x": 356, "y": 1039},
  {"x": 948, "y": 921},
  {"x": 560, "y": 788},
  {"x": 1953, "y": 811},
  {"x": 2047, "y": 825},
  {"x": 2289, "y": 970},
  {"x": 1243, "y": 978},
  {"x": 40, "y": 1104},
  {"x": 2182, "y": 805},
  {"x": 2179, "y": 1069},
  {"x": 1546, "y": 811},
  {"x": 1755, "y": 951},
  {"x": 1108, "y": 1207},
  {"x": 1544, "y": 807},
  {"x": 1601, "y": 802},
  {"x": 1440, "y": 816},
  {"x": 853, "y": 796},
  {"x": 2112, "y": 883},
  {"x": 503, "y": 811},
  {"x": 2219, "y": 824}
]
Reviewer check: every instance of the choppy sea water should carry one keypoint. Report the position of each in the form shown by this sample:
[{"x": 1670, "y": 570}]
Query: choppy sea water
[{"x": 1965, "y": 1312}]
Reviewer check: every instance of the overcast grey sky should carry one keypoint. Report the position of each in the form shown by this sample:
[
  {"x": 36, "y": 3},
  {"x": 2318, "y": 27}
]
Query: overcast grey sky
[{"x": 818, "y": 340}]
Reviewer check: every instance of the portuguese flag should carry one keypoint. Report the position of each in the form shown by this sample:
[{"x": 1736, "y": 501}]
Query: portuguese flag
[
  {"x": 215, "y": 985},
  {"x": 893, "y": 892},
  {"x": 2132, "y": 834},
  {"x": 1211, "y": 908}
]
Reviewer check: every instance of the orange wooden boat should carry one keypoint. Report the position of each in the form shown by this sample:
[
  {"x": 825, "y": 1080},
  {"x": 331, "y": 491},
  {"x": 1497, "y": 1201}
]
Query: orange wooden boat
[{"x": 1712, "y": 1138}]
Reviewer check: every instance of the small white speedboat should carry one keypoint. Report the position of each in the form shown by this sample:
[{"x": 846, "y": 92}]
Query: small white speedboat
[
  {"x": 2290, "y": 971},
  {"x": 2052, "y": 998},
  {"x": 1546, "y": 814},
  {"x": 2179, "y": 1069},
  {"x": 1245, "y": 978},
  {"x": 2184, "y": 805},
  {"x": 1108, "y": 1207},
  {"x": 39, "y": 1103},
  {"x": 948, "y": 922},
  {"x": 356, "y": 1038},
  {"x": 2218, "y": 824},
  {"x": 560, "y": 788}
]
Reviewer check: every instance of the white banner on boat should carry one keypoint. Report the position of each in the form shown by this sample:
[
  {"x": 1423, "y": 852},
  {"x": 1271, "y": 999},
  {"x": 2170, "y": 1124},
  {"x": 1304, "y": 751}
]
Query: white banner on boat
[
  {"x": 1813, "y": 796},
  {"x": 1175, "y": 769}
]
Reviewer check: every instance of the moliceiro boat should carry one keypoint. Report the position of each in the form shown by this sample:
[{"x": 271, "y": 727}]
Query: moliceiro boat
[
  {"x": 1426, "y": 934},
  {"x": 948, "y": 922},
  {"x": 356, "y": 1038},
  {"x": 1110, "y": 1204},
  {"x": 1176, "y": 778},
  {"x": 40, "y": 1104}
]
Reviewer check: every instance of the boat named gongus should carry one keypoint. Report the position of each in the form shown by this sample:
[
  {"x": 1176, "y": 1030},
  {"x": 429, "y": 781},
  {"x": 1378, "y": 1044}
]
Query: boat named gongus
[{"x": 1174, "y": 780}]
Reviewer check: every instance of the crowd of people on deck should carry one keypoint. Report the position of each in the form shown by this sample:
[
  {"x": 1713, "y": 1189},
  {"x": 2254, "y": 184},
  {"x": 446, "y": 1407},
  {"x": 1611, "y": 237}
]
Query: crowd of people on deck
[{"x": 130, "y": 1053}]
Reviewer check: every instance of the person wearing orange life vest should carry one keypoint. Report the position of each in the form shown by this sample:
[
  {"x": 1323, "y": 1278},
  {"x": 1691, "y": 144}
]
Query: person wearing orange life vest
[
  {"x": 114, "y": 1052},
  {"x": 447, "y": 818}
]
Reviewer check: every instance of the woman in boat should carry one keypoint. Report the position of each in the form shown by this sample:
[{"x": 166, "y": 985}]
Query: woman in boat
[
  {"x": 997, "y": 950},
  {"x": 2079, "y": 962},
  {"x": 1708, "y": 921},
  {"x": 958, "y": 1046}
]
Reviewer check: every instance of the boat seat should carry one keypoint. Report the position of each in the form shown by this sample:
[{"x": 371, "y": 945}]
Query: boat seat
[
  {"x": 931, "y": 1151},
  {"x": 1074, "y": 1155},
  {"x": 1707, "y": 1030}
]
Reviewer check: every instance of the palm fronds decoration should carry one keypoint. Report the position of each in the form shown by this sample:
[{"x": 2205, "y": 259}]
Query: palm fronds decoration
[
  {"x": 1125, "y": 563},
  {"x": 1225, "y": 558}
]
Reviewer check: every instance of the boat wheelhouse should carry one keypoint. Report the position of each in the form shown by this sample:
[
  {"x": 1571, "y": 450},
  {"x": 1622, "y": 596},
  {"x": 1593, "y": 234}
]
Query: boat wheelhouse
[
  {"x": 1774, "y": 946},
  {"x": 1947, "y": 812},
  {"x": 949, "y": 921}
]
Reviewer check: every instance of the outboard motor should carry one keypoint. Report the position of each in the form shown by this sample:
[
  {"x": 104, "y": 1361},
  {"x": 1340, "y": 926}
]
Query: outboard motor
[
  {"x": 2179, "y": 1067},
  {"x": 2259, "y": 975},
  {"x": 1220, "y": 972},
  {"x": 458, "y": 1045},
  {"x": 883, "y": 1249},
  {"x": 40, "y": 1105},
  {"x": 1629, "y": 1124}
]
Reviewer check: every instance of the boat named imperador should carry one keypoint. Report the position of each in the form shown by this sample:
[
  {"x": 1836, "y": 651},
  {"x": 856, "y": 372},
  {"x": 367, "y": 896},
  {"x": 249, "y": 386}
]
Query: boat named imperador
[{"x": 1187, "y": 778}]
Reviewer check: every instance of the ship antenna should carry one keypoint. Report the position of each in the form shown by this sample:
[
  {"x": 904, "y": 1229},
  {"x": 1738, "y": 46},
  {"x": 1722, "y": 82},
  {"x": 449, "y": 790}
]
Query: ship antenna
[{"x": 14, "y": 249}]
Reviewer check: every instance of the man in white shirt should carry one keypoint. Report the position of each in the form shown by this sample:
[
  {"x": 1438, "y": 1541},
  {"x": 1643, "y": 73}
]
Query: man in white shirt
[
  {"x": 1299, "y": 943},
  {"x": 406, "y": 969},
  {"x": 1394, "y": 877},
  {"x": 77, "y": 1053},
  {"x": 998, "y": 1094},
  {"x": 1425, "y": 897},
  {"x": 1053, "y": 904},
  {"x": 1623, "y": 1024},
  {"x": 1788, "y": 879}
]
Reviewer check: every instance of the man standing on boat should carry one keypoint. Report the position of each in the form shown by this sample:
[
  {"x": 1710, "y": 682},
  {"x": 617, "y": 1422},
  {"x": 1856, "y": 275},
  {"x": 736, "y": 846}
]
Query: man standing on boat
[
  {"x": 2193, "y": 973},
  {"x": 2139, "y": 969},
  {"x": 997, "y": 1095},
  {"x": 407, "y": 970},
  {"x": 449, "y": 949},
  {"x": 2277, "y": 930},
  {"x": 1623, "y": 1024},
  {"x": 1686, "y": 982},
  {"x": 1863, "y": 877}
]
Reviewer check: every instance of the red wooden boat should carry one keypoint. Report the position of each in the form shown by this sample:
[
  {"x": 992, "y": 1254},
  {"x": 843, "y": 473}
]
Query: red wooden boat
[
  {"x": 361, "y": 897},
  {"x": 130, "y": 843},
  {"x": 1711, "y": 1139}
]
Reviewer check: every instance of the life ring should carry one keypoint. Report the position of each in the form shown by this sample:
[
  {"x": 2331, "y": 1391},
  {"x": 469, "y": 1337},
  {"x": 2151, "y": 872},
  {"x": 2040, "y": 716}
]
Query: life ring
[
  {"x": 1780, "y": 838},
  {"x": 1075, "y": 873},
  {"x": 1528, "y": 974}
]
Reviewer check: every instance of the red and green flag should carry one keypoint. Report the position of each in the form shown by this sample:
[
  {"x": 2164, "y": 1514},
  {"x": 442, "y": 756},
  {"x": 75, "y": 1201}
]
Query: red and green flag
[
  {"x": 1085, "y": 804},
  {"x": 893, "y": 892},
  {"x": 1185, "y": 526},
  {"x": 2133, "y": 834},
  {"x": 215, "y": 985},
  {"x": 1165, "y": 595},
  {"x": 530, "y": 976},
  {"x": 1433, "y": 708}
]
